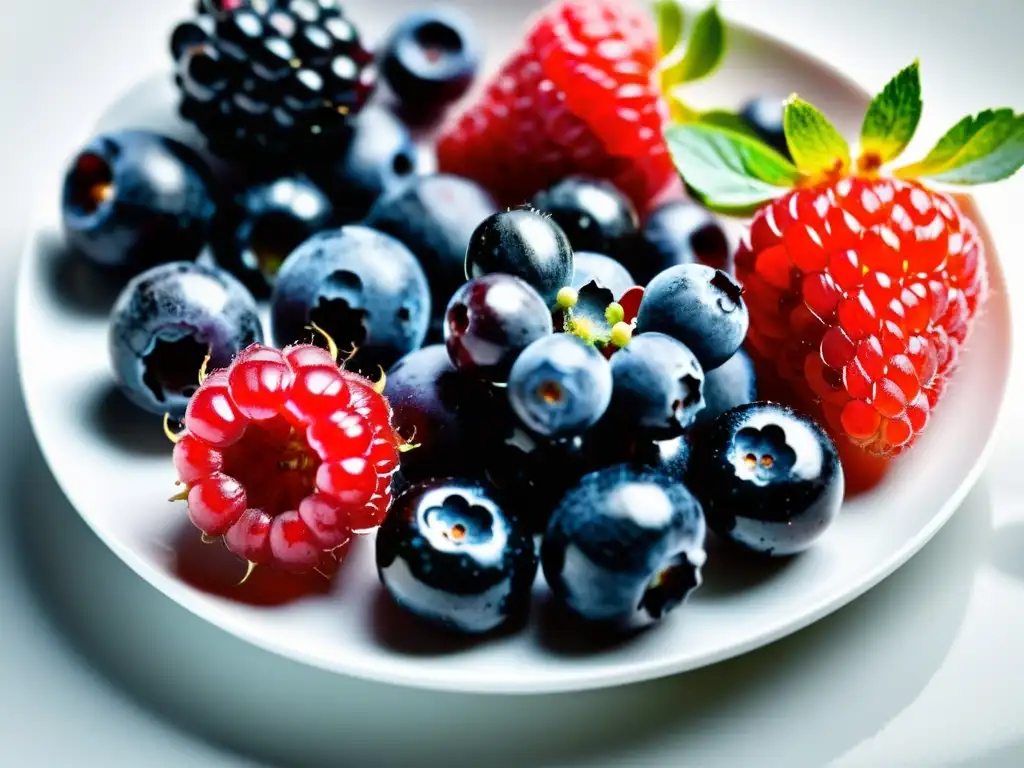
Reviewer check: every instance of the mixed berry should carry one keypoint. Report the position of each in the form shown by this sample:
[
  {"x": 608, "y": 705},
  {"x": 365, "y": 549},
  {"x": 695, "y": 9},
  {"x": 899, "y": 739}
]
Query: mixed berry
[{"x": 550, "y": 338}]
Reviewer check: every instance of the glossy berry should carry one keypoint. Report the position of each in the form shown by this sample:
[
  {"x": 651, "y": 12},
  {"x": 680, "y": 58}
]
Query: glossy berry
[
  {"x": 430, "y": 59},
  {"x": 449, "y": 554},
  {"x": 764, "y": 117},
  {"x": 577, "y": 97},
  {"x": 435, "y": 217},
  {"x": 271, "y": 80},
  {"x": 490, "y": 321},
  {"x": 442, "y": 411},
  {"x": 266, "y": 223},
  {"x": 604, "y": 271},
  {"x": 166, "y": 321},
  {"x": 525, "y": 244},
  {"x": 133, "y": 199},
  {"x": 861, "y": 295},
  {"x": 625, "y": 547},
  {"x": 676, "y": 233},
  {"x": 285, "y": 456},
  {"x": 699, "y": 306},
  {"x": 730, "y": 385},
  {"x": 365, "y": 289},
  {"x": 377, "y": 155},
  {"x": 768, "y": 477},
  {"x": 560, "y": 386},
  {"x": 594, "y": 215},
  {"x": 658, "y": 387}
]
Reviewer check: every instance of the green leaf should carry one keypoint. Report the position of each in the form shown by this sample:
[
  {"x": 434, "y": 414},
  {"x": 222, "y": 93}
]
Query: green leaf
[
  {"x": 723, "y": 118},
  {"x": 815, "y": 144},
  {"x": 979, "y": 149},
  {"x": 893, "y": 116},
  {"x": 670, "y": 21},
  {"x": 701, "y": 55},
  {"x": 729, "y": 171}
]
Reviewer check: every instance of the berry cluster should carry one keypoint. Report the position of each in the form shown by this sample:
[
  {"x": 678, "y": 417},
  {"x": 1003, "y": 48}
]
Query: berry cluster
[{"x": 568, "y": 354}]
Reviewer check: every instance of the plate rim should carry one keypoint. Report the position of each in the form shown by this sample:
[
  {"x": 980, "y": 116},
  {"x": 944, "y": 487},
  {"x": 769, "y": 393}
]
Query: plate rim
[{"x": 206, "y": 606}]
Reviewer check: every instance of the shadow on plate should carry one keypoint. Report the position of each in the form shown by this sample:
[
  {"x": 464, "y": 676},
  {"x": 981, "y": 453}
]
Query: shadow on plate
[
  {"x": 210, "y": 568},
  {"x": 403, "y": 633},
  {"x": 125, "y": 426},
  {"x": 79, "y": 285},
  {"x": 1007, "y": 553},
  {"x": 730, "y": 570},
  {"x": 562, "y": 633}
]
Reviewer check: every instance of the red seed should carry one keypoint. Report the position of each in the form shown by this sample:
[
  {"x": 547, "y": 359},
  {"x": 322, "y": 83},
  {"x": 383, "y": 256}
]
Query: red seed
[
  {"x": 340, "y": 436},
  {"x": 871, "y": 357},
  {"x": 328, "y": 521},
  {"x": 195, "y": 460},
  {"x": 898, "y": 431},
  {"x": 888, "y": 399},
  {"x": 805, "y": 248},
  {"x": 845, "y": 270},
  {"x": 249, "y": 537},
  {"x": 821, "y": 295},
  {"x": 293, "y": 544},
  {"x": 214, "y": 504},
  {"x": 901, "y": 372},
  {"x": 316, "y": 393},
  {"x": 212, "y": 416},
  {"x": 351, "y": 482},
  {"x": 259, "y": 382},
  {"x": 860, "y": 420},
  {"x": 836, "y": 348}
]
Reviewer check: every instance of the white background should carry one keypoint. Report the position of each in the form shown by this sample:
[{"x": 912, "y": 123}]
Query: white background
[{"x": 96, "y": 668}]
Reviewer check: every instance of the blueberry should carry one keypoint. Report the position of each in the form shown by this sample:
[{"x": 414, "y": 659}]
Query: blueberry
[
  {"x": 769, "y": 478},
  {"x": 269, "y": 221},
  {"x": 378, "y": 156},
  {"x": 449, "y": 554},
  {"x": 560, "y": 386},
  {"x": 669, "y": 457},
  {"x": 435, "y": 216},
  {"x": 658, "y": 387},
  {"x": 166, "y": 321},
  {"x": 525, "y": 244},
  {"x": 133, "y": 199},
  {"x": 442, "y": 411},
  {"x": 765, "y": 117},
  {"x": 679, "y": 232},
  {"x": 594, "y": 215},
  {"x": 490, "y": 321},
  {"x": 729, "y": 386},
  {"x": 430, "y": 59},
  {"x": 701, "y": 307},
  {"x": 625, "y": 547},
  {"x": 364, "y": 288},
  {"x": 603, "y": 270}
]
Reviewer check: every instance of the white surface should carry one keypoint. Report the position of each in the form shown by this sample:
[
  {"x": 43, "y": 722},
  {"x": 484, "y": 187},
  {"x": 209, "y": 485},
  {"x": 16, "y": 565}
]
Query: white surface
[
  {"x": 923, "y": 670},
  {"x": 113, "y": 463}
]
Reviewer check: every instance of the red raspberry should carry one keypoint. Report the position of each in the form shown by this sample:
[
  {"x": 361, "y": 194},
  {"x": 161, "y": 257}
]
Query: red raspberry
[
  {"x": 861, "y": 293},
  {"x": 580, "y": 96},
  {"x": 285, "y": 456}
]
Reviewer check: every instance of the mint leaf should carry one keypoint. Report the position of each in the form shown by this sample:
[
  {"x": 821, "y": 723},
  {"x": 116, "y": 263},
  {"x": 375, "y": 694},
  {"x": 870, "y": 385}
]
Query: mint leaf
[
  {"x": 815, "y": 144},
  {"x": 701, "y": 55},
  {"x": 670, "y": 22},
  {"x": 982, "y": 148},
  {"x": 723, "y": 118},
  {"x": 893, "y": 116},
  {"x": 729, "y": 171}
]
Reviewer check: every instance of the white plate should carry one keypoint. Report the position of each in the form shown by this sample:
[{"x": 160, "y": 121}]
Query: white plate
[{"x": 114, "y": 466}]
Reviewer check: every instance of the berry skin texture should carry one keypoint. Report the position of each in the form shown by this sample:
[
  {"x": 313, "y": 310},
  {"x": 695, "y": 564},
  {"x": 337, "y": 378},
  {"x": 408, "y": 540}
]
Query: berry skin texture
[
  {"x": 450, "y": 555},
  {"x": 275, "y": 81},
  {"x": 269, "y": 221},
  {"x": 364, "y": 288},
  {"x": 676, "y": 233},
  {"x": 430, "y": 59},
  {"x": 625, "y": 547},
  {"x": 699, "y": 306},
  {"x": 490, "y": 321},
  {"x": 525, "y": 244},
  {"x": 441, "y": 410},
  {"x": 594, "y": 215},
  {"x": 285, "y": 456},
  {"x": 377, "y": 156},
  {"x": 579, "y": 96},
  {"x": 658, "y": 387},
  {"x": 769, "y": 479},
  {"x": 605, "y": 271},
  {"x": 166, "y": 321},
  {"x": 132, "y": 200},
  {"x": 730, "y": 385},
  {"x": 435, "y": 217},
  {"x": 560, "y": 386},
  {"x": 861, "y": 295}
]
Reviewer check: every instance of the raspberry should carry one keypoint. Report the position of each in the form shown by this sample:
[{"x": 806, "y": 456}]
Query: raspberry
[
  {"x": 579, "y": 97},
  {"x": 861, "y": 293},
  {"x": 285, "y": 456}
]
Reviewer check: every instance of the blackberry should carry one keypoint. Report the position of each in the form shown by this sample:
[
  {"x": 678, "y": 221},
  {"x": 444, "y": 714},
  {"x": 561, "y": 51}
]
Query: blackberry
[{"x": 276, "y": 78}]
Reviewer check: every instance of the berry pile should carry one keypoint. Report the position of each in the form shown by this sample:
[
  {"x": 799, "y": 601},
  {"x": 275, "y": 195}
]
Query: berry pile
[{"x": 543, "y": 339}]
